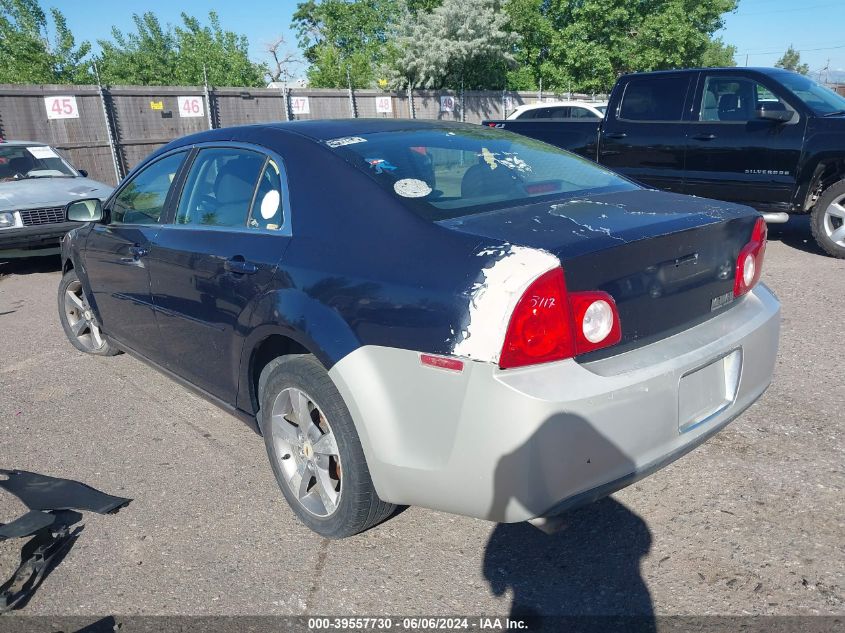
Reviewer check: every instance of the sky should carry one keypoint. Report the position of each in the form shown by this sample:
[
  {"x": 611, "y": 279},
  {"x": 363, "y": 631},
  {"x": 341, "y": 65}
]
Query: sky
[{"x": 761, "y": 30}]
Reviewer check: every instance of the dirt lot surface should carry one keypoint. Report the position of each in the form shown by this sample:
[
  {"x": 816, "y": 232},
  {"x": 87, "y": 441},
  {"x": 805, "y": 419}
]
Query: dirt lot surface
[{"x": 750, "y": 523}]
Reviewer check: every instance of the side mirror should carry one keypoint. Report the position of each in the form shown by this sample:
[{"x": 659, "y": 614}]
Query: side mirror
[
  {"x": 774, "y": 114},
  {"x": 90, "y": 210},
  {"x": 83, "y": 172}
]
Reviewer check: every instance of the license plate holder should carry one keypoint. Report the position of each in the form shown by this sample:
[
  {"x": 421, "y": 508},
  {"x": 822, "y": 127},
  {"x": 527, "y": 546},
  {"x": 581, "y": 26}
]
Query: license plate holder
[{"x": 708, "y": 390}]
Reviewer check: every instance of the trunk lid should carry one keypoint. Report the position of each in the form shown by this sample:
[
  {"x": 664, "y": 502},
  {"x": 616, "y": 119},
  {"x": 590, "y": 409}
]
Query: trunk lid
[{"x": 668, "y": 260}]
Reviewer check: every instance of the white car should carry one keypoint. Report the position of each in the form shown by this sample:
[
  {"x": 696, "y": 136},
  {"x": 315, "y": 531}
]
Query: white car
[
  {"x": 35, "y": 185},
  {"x": 560, "y": 110}
]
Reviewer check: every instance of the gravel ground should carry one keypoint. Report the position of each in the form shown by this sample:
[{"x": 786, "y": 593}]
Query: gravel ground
[{"x": 750, "y": 523}]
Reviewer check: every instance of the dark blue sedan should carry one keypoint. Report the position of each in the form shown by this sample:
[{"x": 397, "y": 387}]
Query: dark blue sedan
[{"x": 416, "y": 312}]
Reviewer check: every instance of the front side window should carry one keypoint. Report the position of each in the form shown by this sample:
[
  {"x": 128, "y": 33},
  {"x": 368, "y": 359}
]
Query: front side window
[
  {"x": 736, "y": 99},
  {"x": 657, "y": 98},
  {"x": 582, "y": 113},
  {"x": 142, "y": 200},
  {"x": 219, "y": 188},
  {"x": 442, "y": 173}
]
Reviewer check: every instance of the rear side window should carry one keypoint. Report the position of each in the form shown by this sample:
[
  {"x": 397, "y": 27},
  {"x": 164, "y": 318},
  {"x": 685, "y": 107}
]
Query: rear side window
[
  {"x": 655, "y": 98},
  {"x": 219, "y": 188},
  {"x": 267, "y": 210}
]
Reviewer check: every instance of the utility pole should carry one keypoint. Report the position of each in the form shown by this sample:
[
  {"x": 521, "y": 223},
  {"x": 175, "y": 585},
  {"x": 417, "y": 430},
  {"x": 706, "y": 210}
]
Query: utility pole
[
  {"x": 353, "y": 109},
  {"x": 110, "y": 130},
  {"x": 207, "y": 96}
]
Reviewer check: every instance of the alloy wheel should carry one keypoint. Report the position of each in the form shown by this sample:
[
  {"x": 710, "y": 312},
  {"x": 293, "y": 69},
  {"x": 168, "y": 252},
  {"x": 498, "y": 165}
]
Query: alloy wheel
[
  {"x": 81, "y": 319},
  {"x": 306, "y": 452},
  {"x": 834, "y": 221}
]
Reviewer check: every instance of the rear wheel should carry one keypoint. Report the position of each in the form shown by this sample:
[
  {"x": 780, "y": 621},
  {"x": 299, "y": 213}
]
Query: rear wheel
[
  {"x": 314, "y": 449},
  {"x": 828, "y": 220},
  {"x": 78, "y": 320}
]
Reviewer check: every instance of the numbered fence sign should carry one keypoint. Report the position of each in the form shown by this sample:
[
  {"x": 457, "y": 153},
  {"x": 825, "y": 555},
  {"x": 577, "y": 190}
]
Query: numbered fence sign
[
  {"x": 299, "y": 105},
  {"x": 447, "y": 104},
  {"x": 384, "y": 105},
  {"x": 191, "y": 106},
  {"x": 61, "y": 107}
]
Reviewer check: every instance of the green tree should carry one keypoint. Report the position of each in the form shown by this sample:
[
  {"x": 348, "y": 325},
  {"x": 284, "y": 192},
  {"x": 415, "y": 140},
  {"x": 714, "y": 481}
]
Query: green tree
[
  {"x": 156, "y": 55},
  {"x": 461, "y": 43},
  {"x": 718, "y": 54},
  {"x": 791, "y": 60},
  {"x": 584, "y": 45},
  {"x": 33, "y": 52},
  {"x": 340, "y": 35}
]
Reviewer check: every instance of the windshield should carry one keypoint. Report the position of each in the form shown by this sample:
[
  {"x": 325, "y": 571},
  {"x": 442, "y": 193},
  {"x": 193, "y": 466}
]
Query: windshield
[
  {"x": 819, "y": 99},
  {"x": 602, "y": 108},
  {"x": 447, "y": 172},
  {"x": 32, "y": 161}
]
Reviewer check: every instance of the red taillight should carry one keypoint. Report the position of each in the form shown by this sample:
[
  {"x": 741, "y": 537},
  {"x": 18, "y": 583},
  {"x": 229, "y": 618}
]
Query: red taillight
[
  {"x": 749, "y": 264},
  {"x": 551, "y": 324},
  {"x": 596, "y": 321}
]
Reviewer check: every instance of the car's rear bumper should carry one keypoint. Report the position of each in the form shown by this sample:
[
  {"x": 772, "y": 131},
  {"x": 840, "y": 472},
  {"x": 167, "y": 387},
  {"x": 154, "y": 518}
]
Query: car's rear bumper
[
  {"x": 39, "y": 236},
  {"x": 517, "y": 444}
]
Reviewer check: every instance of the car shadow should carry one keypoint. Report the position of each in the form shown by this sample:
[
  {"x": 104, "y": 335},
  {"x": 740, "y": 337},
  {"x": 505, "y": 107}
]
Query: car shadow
[
  {"x": 796, "y": 234},
  {"x": 30, "y": 265},
  {"x": 587, "y": 575}
]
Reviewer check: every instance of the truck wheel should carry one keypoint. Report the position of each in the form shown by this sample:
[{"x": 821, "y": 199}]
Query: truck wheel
[
  {"x": 828, "y": 220},
  {"x": 78, "y": 320},
  {"x": 314, "y": 449}
]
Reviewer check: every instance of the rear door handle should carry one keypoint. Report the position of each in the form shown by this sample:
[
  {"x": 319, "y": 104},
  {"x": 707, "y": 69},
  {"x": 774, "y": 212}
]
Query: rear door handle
[
  {"x": 239, "y": 266},
  {"x": 704, "y": 137},
  {"x": 616, "y": 135}
]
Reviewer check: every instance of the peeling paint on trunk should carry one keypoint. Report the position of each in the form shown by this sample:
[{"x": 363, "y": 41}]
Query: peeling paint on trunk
[{"x": 493, "y": 298}]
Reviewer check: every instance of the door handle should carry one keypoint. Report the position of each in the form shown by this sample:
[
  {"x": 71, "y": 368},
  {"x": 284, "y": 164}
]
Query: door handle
[
  {"x": 616, "y": 135},
  {"x": 704, "y": 137},
  {"x": 136, "y": 251},
  {"x": 239, "y": 266}
]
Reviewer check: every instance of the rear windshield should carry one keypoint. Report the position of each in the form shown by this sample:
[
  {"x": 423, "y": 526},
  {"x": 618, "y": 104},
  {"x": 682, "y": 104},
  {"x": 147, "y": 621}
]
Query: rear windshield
[{"x": 456, "y": 171}]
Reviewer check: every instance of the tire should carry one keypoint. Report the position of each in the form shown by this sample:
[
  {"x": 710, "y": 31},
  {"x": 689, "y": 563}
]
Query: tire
[
  {"x": 828, "y": 220},
  {"x": 78, "y": 320},
  {"x": 320, "y": 469}
]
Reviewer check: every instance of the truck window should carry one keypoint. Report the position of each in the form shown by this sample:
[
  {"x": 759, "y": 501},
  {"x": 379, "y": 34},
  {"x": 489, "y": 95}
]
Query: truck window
[
  {"x": 654, "y": 99},
  {"x": 735, "y": 99}
]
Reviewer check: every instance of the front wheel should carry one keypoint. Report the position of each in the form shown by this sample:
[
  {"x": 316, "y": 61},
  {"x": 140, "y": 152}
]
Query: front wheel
[
  {"x": 314, "y": 449},
  {"x": 828, "y": 220},
  {"x": 78, "y": 320}
]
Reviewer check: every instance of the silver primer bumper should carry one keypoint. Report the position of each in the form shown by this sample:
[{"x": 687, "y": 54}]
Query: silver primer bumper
[{"x": 511, "y": 445}]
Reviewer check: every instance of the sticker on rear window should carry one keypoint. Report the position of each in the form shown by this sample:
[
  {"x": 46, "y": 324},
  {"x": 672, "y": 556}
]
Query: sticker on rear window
[
  {"x": 412, "y": 188},
  {"x": 346, "y": 140}
]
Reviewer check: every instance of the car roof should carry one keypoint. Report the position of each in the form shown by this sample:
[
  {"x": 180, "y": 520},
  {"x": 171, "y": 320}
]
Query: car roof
[
  {"x": 22, "y": 143},
  {"x": 764, "y": 70},
  {"x": 319, "y": 129},
  {"x": 327, "y": 129},
  {"x": 569, "y": 102}
]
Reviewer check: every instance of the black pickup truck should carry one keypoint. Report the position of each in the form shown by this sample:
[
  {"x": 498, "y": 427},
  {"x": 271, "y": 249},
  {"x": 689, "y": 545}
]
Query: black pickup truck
[{"x": 765, "y": 137}]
